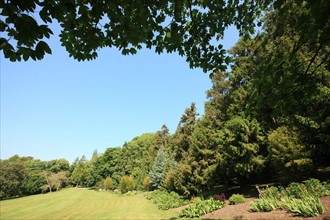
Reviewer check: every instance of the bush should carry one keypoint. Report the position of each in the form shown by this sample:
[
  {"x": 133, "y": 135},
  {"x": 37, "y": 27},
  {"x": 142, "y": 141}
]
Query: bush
[
  {"x": 201, "y": 207},
  {"x": 108, "y": 183},
  {"x": 166, "y": 200},
  {"x": 296, "y": 190},
  {"x": 126, "y": 184},
  {"x": 236, "y": 199},
  {"x": 99, "y": 185},
  {"x": 316, "y": 188},
  {"x": 269, "y": 200},
  {"x": 265, "y": 204},
  {"x": 301, "y": 198},
  {"x": 311, "y": 187},
  {"x": 308, "y": 206}
]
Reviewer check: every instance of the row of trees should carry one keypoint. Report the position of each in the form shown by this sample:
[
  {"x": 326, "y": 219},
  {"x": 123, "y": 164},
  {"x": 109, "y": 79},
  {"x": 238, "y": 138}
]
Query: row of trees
[
  {"x": 268, "y": 116},
  {"x": 26, "y": 176}
]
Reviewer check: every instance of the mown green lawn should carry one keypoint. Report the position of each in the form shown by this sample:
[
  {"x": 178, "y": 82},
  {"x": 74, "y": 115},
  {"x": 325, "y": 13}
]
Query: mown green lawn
[{"x": 76, "y": 203}]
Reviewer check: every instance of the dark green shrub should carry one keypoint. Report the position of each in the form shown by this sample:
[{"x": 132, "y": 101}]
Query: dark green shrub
[
  {"x": 236, "y": 199},
  {"x": 165, "y": 200}
]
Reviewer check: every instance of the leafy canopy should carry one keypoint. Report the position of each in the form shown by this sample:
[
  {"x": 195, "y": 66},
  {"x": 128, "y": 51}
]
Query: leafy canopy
[{"x": 191, "y": 28}]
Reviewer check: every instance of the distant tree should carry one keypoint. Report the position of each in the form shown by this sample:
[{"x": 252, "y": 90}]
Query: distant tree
[
  {"x": 74, "y": 164},
  {"x": 59, "y": 180},
  {"x": 163, "y": 135},
  {"x": 12, "y": 175},
  {"x": 48, "y": 183},
  {"x": 33, "y": 181},
  {"x": 95, "y": 155},
  {"x": 182, "y": 135},
  {"x": 54, "y": 181},
  {"x": 78, "y": 172},
  {"x": 157, "y": 172},
  {"x": 60, "y": 165},
  {"x": 137, "y": 157},
  {"x": 108, "y": 164}
]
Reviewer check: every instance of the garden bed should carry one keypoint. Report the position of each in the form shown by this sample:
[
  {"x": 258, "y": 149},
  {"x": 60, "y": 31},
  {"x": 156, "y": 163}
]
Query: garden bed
[{"x": 243, "y": 211}]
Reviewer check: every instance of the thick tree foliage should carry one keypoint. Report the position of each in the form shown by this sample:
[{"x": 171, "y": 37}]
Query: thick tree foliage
[
  {"x": 26, "y": 176},
  {"x": 157, "y": 172},
  {"x": 192, "y": 28},
  {"x": 188, "y": 27}
]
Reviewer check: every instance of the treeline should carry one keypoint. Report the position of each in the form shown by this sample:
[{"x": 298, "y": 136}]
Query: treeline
[
  {"x": 26, "y": 175},
  {"x": 268, "y": 117}
]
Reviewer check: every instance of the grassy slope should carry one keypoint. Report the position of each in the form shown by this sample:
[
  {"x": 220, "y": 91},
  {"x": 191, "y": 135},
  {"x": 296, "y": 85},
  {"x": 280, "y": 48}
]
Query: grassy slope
[{"x": 82, "y": 204}]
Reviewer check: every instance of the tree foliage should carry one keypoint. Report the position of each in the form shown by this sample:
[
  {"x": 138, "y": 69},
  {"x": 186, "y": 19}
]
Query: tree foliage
[
  {"x": 288, "y": 155},
  {"x": 158, "y": 169},
  {"x": 187, "y": 27},
  {"x": 241, "y": 143},
  {"x": 191, "y": 28}
]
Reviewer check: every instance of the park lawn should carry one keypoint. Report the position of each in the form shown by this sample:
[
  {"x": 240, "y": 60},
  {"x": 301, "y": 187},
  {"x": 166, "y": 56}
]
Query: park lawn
[{"x": 75, "y": 203}]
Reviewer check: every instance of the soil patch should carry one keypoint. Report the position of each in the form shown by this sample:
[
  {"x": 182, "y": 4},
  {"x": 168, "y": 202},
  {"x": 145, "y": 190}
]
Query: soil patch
[{"x": 242, "y": 211}]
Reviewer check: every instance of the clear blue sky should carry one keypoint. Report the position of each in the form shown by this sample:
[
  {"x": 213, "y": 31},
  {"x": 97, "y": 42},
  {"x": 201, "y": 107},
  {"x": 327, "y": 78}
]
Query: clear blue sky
[{"x": 62, "y": 108}]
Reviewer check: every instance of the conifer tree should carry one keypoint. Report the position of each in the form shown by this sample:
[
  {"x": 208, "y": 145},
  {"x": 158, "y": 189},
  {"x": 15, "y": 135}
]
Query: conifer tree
[
  {"x": 184, "y": 130},
  {"x": 158, "y": 170}
]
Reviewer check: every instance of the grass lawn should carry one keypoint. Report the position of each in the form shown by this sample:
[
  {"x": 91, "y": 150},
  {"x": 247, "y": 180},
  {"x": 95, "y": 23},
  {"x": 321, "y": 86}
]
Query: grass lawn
[{"x": 76, "y": 203}]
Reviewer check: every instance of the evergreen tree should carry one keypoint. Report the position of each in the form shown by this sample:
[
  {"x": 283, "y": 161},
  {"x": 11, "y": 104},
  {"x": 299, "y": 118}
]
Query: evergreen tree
[
  {"x": 184, "y": 130},
  {"x": 157, "y": 172},
  {"x": 288, "y": 156},
  {"x": 241, "y": 142}
]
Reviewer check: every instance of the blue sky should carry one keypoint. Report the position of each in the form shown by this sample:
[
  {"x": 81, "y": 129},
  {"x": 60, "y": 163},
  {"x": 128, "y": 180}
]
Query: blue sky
[{"x": 62, "y": 108}]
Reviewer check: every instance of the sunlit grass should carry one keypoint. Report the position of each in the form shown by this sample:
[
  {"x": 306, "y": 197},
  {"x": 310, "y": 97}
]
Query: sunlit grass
[{"x": 82, "y": 204}]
